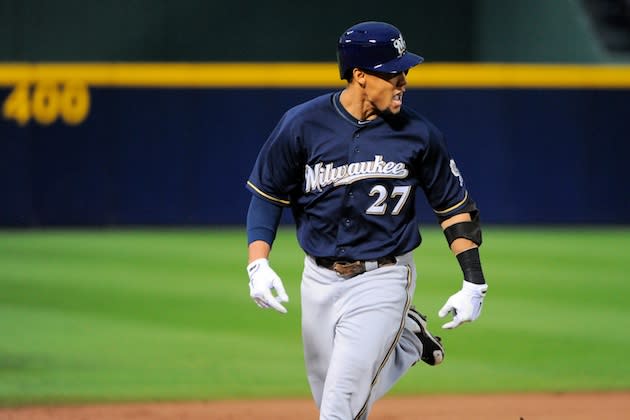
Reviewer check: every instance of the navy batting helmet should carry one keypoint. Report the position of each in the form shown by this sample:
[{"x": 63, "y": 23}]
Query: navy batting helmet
[{"x": 374, "y": 46}]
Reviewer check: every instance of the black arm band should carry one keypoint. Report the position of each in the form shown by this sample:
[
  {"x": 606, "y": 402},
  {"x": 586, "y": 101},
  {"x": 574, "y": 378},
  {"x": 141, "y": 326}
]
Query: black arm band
[
  {"x": 469, "y": 206},
  {"x": 468, "y": 230},
  {"x": 471, "y": 266}
]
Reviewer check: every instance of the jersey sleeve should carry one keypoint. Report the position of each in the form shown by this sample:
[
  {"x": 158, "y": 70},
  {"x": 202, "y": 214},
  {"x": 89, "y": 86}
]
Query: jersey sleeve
[
  {"x": 276, "y": 171},
  {"x": 440, "y": 178}
]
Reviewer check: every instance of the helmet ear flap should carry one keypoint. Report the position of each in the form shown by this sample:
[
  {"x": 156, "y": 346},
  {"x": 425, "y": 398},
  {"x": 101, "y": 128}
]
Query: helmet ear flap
[{"x": 344, "y": 72}]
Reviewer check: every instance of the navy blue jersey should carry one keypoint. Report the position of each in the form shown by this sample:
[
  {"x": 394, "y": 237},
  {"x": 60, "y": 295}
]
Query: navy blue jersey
[{"x": 351, "y": 184}]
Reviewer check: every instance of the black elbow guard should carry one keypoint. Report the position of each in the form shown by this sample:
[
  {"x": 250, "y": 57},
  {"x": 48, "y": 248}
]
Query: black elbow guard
[{"x": 468, "y": 230}]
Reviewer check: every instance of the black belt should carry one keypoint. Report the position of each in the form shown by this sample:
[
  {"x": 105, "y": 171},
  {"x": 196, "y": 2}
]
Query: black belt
[{"x": 353, "y": 268}]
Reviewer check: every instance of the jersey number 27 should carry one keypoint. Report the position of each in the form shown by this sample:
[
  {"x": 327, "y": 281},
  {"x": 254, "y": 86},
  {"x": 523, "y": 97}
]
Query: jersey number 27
[{"x": 379, "y": 207}]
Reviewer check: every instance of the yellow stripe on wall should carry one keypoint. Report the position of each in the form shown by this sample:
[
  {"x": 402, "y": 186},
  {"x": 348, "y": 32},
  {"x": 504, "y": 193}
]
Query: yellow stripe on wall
[
  {"x": 313, "y": 75},
  {"x": 215, "y": 75}
]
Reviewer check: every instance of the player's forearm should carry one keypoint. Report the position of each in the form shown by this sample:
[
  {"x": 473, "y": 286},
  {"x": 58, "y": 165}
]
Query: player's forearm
[
  {"x": 263, "y": 218},
  {"x": 257, "y": 250},
  {"x": 459, "y": 245},
  {"x": 466, "y": 251}
]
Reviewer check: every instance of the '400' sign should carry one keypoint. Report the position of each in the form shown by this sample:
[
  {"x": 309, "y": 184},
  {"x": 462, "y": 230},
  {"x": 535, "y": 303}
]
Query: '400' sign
[{"x": 45, "y": 101}]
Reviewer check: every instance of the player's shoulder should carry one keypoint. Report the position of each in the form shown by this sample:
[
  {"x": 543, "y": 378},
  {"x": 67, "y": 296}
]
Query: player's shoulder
[
  {"x": 299, "y": 116},
  {"x": 311, "y": 108},
  {"x": 415, "y": 124}
]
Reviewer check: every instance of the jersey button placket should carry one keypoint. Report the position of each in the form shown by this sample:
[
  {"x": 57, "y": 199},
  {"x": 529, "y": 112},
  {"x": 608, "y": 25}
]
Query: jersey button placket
[{"x": 347, "y": 222}]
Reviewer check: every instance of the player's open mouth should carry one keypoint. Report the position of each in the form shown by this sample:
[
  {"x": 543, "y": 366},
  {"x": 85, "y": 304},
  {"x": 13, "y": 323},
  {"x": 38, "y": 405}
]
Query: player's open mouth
[{"x": 397, "y": 100}]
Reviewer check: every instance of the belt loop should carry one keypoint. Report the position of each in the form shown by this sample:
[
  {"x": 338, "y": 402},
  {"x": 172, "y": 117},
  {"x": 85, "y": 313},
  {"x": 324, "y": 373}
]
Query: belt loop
[{"x": 371, "y": 265}]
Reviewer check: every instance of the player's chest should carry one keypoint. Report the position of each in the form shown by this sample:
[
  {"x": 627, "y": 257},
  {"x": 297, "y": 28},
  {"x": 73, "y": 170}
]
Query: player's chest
[
  {"x": 362, "y": 146},
  {"x": 355, "y": 159}
]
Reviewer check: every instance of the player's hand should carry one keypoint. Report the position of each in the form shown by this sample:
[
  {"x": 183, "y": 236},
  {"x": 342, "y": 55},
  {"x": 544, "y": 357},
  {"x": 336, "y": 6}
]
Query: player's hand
[
  {"x": 465, "y": 305},
  {"x": 262, "y": 279}
]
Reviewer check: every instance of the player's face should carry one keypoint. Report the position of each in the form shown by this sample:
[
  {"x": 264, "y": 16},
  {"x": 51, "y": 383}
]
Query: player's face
[{"x": 385, "y": 91}]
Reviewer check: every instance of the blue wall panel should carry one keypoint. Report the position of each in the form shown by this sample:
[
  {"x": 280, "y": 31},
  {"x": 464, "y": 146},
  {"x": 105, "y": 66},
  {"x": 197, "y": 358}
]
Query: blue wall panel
[{"x": 182, "y": 156}]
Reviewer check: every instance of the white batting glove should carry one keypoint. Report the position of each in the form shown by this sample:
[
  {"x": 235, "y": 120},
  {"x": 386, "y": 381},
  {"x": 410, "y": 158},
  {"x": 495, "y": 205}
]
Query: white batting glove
[
  {"x": 465, "y": 305},
  {"x": 262, "y": 279}
]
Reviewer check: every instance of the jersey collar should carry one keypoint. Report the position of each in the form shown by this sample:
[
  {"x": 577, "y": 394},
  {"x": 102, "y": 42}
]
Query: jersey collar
[{"x": 347, "y": 116}]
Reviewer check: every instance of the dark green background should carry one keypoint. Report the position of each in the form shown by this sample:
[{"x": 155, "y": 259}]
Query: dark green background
[{"x": 289, "y": 30}]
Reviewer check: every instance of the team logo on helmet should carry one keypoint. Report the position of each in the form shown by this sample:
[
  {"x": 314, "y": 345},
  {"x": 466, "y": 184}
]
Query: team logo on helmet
[{"x": 399, "y": 44}]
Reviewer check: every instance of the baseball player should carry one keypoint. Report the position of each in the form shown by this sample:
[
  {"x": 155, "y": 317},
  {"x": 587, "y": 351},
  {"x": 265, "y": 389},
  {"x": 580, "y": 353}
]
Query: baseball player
[{"x": 349, "y": 164}]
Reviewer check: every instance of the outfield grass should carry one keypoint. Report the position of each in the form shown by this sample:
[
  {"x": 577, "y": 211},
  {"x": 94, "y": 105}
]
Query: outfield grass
[{"x": 119, "y": 315}]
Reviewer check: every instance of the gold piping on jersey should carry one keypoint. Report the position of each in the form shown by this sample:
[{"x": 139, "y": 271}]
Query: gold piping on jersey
[
  {"x": 391, "y": 349},
  {"x": 453, "y": 207},
  {"x": 267, "y": 196}
]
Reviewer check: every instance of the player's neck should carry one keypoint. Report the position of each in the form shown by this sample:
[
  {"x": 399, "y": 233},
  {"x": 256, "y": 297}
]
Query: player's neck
[{"x": 354, "y": 101}]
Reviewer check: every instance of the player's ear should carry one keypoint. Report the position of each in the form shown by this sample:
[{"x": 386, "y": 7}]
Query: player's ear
[{"x": 359, "y": 76}]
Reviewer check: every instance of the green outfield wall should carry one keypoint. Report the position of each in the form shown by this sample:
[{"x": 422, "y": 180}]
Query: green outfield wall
[{"x": 285, "y": 30}]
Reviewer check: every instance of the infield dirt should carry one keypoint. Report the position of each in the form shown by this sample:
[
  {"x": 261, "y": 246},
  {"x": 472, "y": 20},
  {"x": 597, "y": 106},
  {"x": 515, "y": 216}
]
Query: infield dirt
[{"x": 555, "y": 406}]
